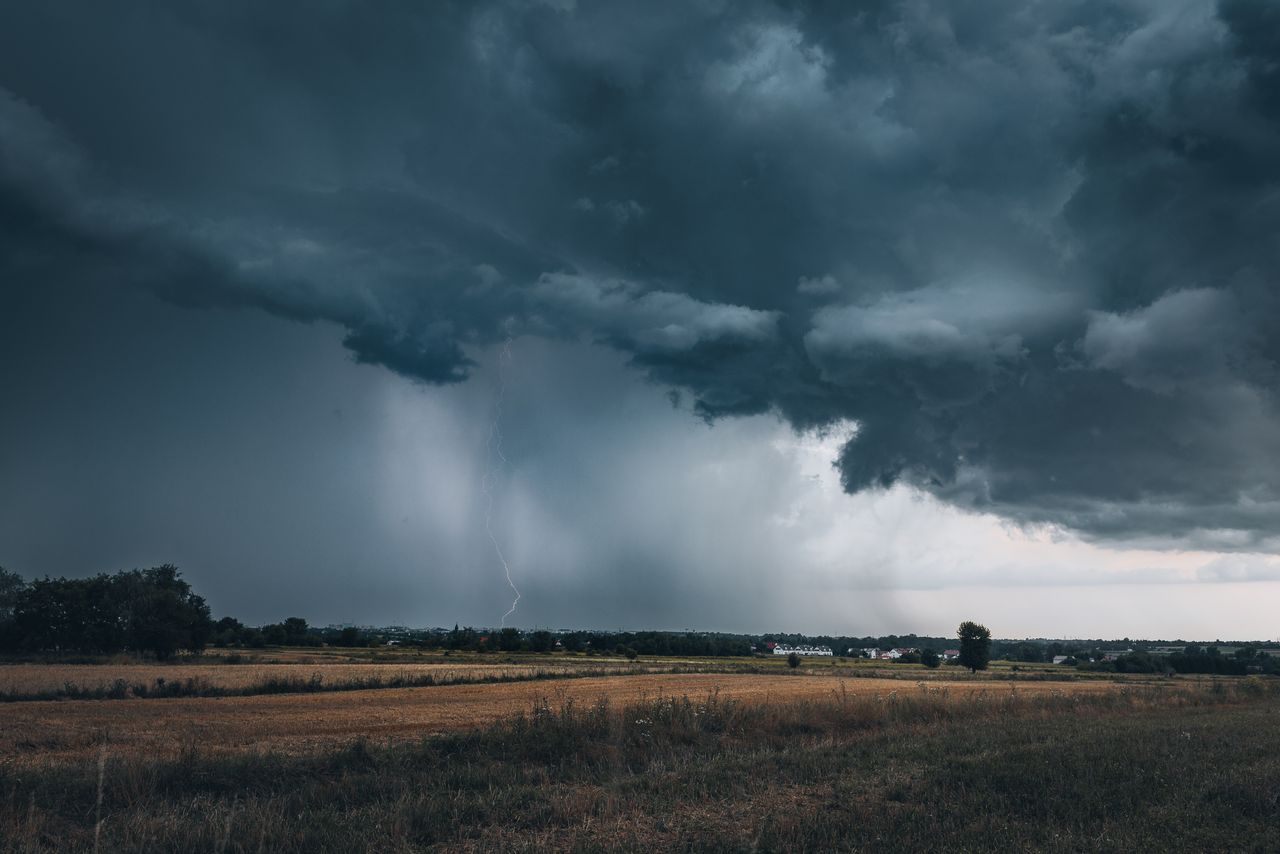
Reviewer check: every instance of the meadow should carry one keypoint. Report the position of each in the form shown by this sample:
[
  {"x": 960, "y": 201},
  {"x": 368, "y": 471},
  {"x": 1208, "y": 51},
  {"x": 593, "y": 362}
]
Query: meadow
[
  {"x": 291, "y": 671},
  {"x": 40, "y": 732},
  {"x": 1188, "y": 765},
  {"x": 23, "y": 682}
]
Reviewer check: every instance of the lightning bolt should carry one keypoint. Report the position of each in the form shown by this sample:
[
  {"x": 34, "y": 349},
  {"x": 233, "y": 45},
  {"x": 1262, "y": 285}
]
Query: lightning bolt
[{"x": 493, "y": 448}]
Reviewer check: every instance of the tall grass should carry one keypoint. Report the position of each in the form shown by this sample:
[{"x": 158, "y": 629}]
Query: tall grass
[
  {"x": 317, "y": 681},
  {"x": 1187, "y": 768},
  {"x": 198, "y": 686}
]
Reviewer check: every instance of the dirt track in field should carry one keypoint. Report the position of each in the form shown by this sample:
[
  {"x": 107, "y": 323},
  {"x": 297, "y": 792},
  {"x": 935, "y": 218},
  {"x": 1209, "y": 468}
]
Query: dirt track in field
[{"x": 55, "y": 731}]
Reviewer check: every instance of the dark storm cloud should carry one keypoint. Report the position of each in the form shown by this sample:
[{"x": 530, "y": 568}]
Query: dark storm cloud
[{"x": 1031, "y": 250}]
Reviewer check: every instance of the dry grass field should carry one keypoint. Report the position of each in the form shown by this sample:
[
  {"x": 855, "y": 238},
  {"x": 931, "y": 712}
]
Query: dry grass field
[
  {"x": 37, "y": 678},
  {"x": 690, "y": 762},
  {"x": 62, "y": 730},
  {"x": 293, "y": 672},
  {"x": 571, "y": 753}
]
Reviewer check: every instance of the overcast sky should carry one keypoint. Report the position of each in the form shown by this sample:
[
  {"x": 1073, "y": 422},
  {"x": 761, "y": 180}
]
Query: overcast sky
[{"x": 841, "y": 317}]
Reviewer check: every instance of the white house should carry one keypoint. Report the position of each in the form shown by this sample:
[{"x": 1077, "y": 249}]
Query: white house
[{"x": 783, "y": 649}]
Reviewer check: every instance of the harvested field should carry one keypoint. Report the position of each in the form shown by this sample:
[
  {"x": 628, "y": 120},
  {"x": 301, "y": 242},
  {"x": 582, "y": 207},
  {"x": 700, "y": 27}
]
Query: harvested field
[
  {"x": 38, "y": 678},
  {"x": 976, "y": 767},
  {"x": 57, "y": 731}
]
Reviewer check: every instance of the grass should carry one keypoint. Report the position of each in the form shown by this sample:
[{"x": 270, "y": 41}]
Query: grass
[
  {"x": 119, "y": 680},
  {"x": 143, "y": 680},
  {"x": 285, "y": 679},
  {"x": 194, "y": 686},
  {"x": 1173, "y": 768}
]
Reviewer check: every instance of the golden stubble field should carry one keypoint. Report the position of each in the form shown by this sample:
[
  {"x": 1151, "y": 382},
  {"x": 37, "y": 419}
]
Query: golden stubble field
[
  {"x": 33, "y": 678},
  {"x": 45, "y": 732}
]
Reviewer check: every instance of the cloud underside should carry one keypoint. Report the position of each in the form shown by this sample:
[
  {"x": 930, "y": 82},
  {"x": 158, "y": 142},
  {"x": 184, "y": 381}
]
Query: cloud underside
[{"x": 1031, "y": 252}]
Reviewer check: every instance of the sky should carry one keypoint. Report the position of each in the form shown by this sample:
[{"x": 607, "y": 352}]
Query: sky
[{"x": 821, "y": 317}]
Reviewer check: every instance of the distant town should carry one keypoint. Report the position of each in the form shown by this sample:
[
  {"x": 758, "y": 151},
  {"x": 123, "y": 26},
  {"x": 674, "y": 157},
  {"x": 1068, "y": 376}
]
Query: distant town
[{"x": 1124, "y": 655}]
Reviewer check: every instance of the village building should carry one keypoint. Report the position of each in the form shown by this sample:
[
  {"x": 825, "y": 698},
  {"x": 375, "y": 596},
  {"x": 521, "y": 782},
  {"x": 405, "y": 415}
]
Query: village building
[{"x": 783, "y": 649}]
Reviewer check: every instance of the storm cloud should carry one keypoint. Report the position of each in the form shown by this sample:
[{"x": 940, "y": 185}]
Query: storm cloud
[{"x": 1030, "y": 250}]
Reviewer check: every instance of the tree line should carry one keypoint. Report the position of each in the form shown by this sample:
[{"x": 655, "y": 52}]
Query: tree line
[
  {"x": 155, "y": 611},
  {"x": 142, "y": 610},
  {"x": 1194, "y": 658}
]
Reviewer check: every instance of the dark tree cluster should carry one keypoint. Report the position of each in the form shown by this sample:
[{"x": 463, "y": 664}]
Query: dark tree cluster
[
  {"x": 294, "y": 631},
  {"x": 149, "y": 610},
  {"x": 629, "y": 644},
  {"x": 1193, "y": 659}
]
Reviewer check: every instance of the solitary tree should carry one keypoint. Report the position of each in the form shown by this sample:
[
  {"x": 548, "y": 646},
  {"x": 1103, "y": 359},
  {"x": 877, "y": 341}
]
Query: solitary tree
[
  {"x": 929, "y": 658},
  {"x": 975, "y": 646},
  {"x": 793, "y": 660}
]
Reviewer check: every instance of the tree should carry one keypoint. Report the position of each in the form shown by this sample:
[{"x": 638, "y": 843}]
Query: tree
[
  {"x": 227, "y": 632},
  {"x": 929, "y": 658},
  {"x": 509, "y": 639},
  {"x": 164, "y": 614},
  {"x": 541, "y": 641},
  {"x": 975, "y": 645},
  {"x": 11, "y": 587},
  {"x": 274, "y": 634},
  {"x": 1032, "y": 653},
  {"x": 151, "y": 610},
  {"x": 295, "y": 630},
  {"x": 793, "y": 660}
]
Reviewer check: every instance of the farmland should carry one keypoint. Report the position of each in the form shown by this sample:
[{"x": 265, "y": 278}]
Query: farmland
[
  {"x": 711, "y": 761},
  {"x": 310, "y": 672},
  {"x": 315, "y": 749},
  {"x": 53, "y": 681},
  {"x": 38, "y": 732}
]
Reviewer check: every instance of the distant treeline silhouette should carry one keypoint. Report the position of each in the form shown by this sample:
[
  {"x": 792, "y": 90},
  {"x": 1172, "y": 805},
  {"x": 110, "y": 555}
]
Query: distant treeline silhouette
[
  {"x": 155, "y": 611},
  {"x": 1193, "y": 659}
]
